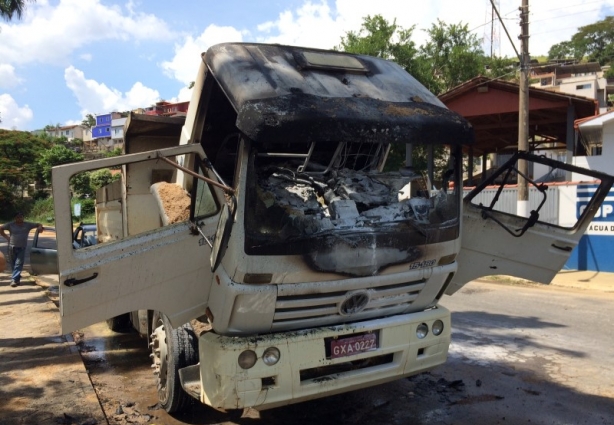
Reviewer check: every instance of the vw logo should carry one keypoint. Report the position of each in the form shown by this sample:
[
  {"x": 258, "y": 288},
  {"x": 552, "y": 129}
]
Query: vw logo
[{"x": 355, "y": 302}]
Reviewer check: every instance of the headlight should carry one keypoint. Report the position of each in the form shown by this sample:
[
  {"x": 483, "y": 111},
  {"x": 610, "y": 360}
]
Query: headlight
[
  {"x": 271, "y": 356},
  {"x": 422, "y": 330},
  {"x": 247, "y": 359},
  {"x": 437, "y": 327}
]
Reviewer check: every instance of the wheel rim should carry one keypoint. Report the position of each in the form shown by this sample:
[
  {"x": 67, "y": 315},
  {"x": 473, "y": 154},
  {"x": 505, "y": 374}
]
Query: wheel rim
[{"x": 159, "y": 356}]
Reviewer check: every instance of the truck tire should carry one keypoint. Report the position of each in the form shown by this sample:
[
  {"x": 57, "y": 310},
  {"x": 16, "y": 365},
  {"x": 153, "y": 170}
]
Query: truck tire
[
  {"x": 119, "y": 323},
  {"x": 172, "y": 349}
]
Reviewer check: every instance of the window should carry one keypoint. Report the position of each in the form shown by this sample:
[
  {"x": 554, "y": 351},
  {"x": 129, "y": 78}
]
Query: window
[
  {"x": 583, "y": 86},
  {"x": 595, "y": 150},
  {"x": 204, "y": 202},
  {"x": 363, "y": 206}
]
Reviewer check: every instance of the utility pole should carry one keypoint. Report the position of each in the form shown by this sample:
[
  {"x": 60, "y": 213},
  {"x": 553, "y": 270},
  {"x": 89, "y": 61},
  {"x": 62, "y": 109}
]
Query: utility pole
[{"x": 523, "y": 111}]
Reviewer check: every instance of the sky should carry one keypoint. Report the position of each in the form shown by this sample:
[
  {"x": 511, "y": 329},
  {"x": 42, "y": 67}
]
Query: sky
[{"x": 67, "y": 58}]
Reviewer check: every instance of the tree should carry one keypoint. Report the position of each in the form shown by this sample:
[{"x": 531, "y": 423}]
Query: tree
[
  {"x": 57, "y": 155},
  {"x": 501, "y": 68},
  {"x": 377, "y": 37},
  {"x": 595, "y": 42},
  {"x": 112, "y": 153},
  {"x": 85, "y": 184},
  {"x": 10, "y": 8},
  {"x": 19, "y": 153},
  {"x": 100, "y": 178},
  {"x": 453, "y": 53},
  {"x": 562, "y": 50},
  {"x": 81, "y": 185},
  {"x": 89, "y": 121}
]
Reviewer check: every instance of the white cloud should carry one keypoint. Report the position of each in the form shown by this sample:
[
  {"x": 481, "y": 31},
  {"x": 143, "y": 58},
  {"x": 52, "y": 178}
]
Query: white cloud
[
  {"x": 97, "y": 98},
  {"x": 185, "y": 63},
  {"x": 86, "y": 57},
  {"x": 12, "y": 115},
  {"x": 312, "y": 25},
  {"x": 49, "y": 34},
  {"x": 322, "y": 24},
  {"x": 8, "y": 79},
  {"x": 185, "y": 95}
]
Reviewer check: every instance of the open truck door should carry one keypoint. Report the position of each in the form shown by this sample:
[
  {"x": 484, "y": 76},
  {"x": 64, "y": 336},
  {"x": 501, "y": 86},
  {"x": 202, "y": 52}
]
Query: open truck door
[
  {"x": 497, "y": 241},
  {"x": 158, "y": 263},
  {"x": 44, "y": 254}
]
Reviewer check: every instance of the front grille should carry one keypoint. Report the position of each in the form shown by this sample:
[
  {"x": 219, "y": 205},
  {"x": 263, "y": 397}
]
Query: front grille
[{"x": 317, "y": 304}]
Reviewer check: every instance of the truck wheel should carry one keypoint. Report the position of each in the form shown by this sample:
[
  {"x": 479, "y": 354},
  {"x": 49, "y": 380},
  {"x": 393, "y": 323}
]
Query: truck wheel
[
  {"x": 119, "y": 323},
  {"x": 172, "y": 349}
]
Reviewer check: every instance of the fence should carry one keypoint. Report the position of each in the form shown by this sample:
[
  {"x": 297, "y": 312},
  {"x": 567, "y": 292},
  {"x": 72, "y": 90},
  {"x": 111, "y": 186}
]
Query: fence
[{"x": 508, "y": 200}]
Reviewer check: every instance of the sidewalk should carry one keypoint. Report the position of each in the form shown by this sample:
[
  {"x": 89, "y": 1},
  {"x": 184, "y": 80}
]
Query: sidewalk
[
  {"x": 42, "y": 378},
  {"x": 572, "y": 279},
  {"x": 587, "y": 280}
]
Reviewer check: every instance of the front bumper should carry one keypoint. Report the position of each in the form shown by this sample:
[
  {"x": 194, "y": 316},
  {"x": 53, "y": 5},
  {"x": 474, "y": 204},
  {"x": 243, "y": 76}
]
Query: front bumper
[{"x": 305, "y": 372}]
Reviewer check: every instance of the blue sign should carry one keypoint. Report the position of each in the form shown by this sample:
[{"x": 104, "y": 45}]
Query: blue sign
[{"x": 595, "y": 250}]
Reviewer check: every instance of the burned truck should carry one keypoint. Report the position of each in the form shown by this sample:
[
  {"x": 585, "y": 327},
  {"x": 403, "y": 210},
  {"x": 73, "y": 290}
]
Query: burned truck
[{"x": 276, "y": 244}]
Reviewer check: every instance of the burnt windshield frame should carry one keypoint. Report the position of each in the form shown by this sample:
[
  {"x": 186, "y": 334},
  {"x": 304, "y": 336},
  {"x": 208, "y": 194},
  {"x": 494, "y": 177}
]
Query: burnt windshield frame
[
  {"x": 197, "y": 184},
  {"x": 275, "y": 225}
]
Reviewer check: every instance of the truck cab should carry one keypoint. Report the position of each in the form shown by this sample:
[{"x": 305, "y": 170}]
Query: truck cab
[{"x": 278, "y": 245}]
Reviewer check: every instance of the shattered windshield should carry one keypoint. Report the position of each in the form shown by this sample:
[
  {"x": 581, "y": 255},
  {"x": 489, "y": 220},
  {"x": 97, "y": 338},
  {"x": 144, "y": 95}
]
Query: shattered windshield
[{"x": 314, "y": 198}]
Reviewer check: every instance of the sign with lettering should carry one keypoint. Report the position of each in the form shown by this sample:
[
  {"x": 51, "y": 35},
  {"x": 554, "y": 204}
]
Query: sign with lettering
[{"x": 603, "y": 222}]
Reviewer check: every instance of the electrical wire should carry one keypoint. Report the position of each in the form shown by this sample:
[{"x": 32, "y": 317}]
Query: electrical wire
[{"x": 562, "y": 16}]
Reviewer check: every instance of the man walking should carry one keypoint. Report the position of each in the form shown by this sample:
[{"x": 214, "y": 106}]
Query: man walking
[{"x": 18, "y": 241}]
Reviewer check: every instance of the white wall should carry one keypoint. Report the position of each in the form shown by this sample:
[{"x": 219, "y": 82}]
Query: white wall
[
  {"x": 602, "y": 162},
  {"x": 567, "y": 204}
]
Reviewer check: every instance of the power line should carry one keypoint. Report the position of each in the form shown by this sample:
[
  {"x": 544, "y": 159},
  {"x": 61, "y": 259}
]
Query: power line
[
  {"x": 556, "y": 30},
  {"x": 567, "y": 7},
  {"x": 562, "y": 16}
]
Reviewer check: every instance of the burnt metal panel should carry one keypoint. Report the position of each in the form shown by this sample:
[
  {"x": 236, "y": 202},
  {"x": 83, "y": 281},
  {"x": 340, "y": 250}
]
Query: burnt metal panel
[{"x": 278, "y": 98}]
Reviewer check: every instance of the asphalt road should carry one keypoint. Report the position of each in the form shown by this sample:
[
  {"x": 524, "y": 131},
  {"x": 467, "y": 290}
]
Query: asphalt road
[{"x": 520, "y": 354}]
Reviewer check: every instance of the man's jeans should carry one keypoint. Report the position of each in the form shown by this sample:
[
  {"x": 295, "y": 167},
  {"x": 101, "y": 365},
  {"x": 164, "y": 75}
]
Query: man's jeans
[{"x": 17, "y": 256}]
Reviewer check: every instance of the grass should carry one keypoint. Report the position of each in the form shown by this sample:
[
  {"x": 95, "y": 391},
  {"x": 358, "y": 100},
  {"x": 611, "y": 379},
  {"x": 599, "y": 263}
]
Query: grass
[{"x": 43, "y": 211}]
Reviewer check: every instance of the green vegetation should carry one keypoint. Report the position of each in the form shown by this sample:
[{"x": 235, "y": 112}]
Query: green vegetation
[
  {"x": 450, "y": 56},
  {"x": 43, "y": 212},
  {"x": 11, "y": 8},
  {"x": 57, "y": 155},
  {"x": 19, "y": 170},
  {"x": 594, "y": 42},
  {"x": 25, "y": 176},
  {"x": 89, "y": 121}
]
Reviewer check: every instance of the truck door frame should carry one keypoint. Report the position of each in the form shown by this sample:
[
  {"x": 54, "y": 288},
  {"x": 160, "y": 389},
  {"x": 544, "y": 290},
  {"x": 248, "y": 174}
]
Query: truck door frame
[
  {"x": 109, "y": 279},
  {"x": 498, "y": 243}
]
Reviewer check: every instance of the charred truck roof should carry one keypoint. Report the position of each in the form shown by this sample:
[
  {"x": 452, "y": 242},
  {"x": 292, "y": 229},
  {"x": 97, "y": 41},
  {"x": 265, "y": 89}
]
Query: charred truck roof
[{"x": 294, "y": 94}]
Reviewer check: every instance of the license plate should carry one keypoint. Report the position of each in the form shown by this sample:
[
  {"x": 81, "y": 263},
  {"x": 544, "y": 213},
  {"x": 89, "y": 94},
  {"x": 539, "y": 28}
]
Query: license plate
[{"x": 353, "y": 345}]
